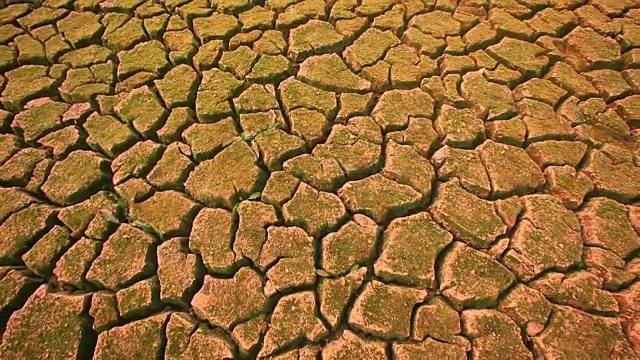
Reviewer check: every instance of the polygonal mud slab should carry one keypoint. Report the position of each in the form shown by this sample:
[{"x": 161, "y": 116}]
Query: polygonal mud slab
[
  {"x": 181, "y": 111},
  {"x": 466, "y": 167},
  {"x": 23, "y": 228},
  {"x": 409, "y": 251},
  {"x": 607, "y": 173},
  {"x": 232, "y": 174},
  {"x": 293, "y": 319},
  {"x": 207, "y": 140},
  {"x": 356, "y": 146},
  {"x": 288, "y": 255},
  {"x": 379, "y": 197},
  {"x": 187, "y": 340},
  {"x": 581, "y": 290},
  {"x": 142, "y": 109},
  {"x": 565, "y": 336},
  {"x": 566, "y": 184},
  {"x": 75, "y": 178},
  {"x": 40, "y": 119},
  {"x": 609, "y": 268},
  {"x": 249, "y": 333},
  {"x": 395, "y": 108},
  {"x": 351, "y": 346},
  {"x": 474, "y": 221},
  {"x": 493, "y": 335},
  {"x": 319, "y": 70},
  {"x": 172, "y": 169},
  {"x": 605, "y": 223},
  {"x": 325, "y": 174},
  {"x": 313, "y": 38},
  {"x": 74, "y": 264},
  {"x": 139, "y": 299},
  {"x": 335, "y": 294},
  {"x": 255, "y": 217},
  {"x": 169, "y": 213},
  {"x": 41, "y": 257},
  {"x": 211, "y": 237},
  {"x": 125, "y": 256},
  {"x": 116, "y": 343},
  {"x": 470, "y": 278},
  {"x": 459, "y": 128},
  {"x": 527, "y": 307},
  {"x": 314, "y": 211},
  {"x": 523, "y": 56},
  {"x": 353, "y": 243},
  {"x": 178, "y": 271},
  {"x": 136, "y": 162},
  {"x": 385, "y": 310},
  {"x": 419, "y": 134},
  {"x": 225, "y": 302},
  {"x": 104, "y": 311},
  {"x": 490, "y": 100},
  {"x": 428, "y": 350},
  {"x": 49, "y": 325},
  {"x": 369, "y": 48},
  {"x": 548, "y": 236},
  {"x": 511, "y": 171},
  {"x": 438, "y": 320},
  {"x": 215, "y": 91},
  {"x": 404, "y": 165}
]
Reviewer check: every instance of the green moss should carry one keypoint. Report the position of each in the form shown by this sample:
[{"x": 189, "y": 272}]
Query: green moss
[
  {"x": 296, "y": 94},
  {"x": 15, "y": 95},
  {"x": 320, "y": 71},
  {"x": 272, "y": 43},
  {"x": 72, "y": 266},
  {"x": 143, "y": 110},
  {"x": 41, "y": 257},
  {"x": 41, "y": 16},
  {"x": 216, "y": 26},
  {"x": 257, "y": 18},
  {"x": 276, "y": 146},
  {"x": 155, "y": 26},
  {"x": 37, "y": 121},
  {"x": 231, "y": 175},
  {"x": 147, "y": 56},
  {"x": 76, "y": 177},
  {"x": 125, "y": 36},
  {"x": 379, "y": 197},
  {"x": 80, "y": 28},
  {"x": 238, "y": 62},
  {"x": 314, "y": 37},
  {"x": 270, "y": 69},
  {"x": 216, "y": 89},
  {"x": 369, "y": 48},
  {"x": 139, "y": 298},
  {"x": 93, "y": 54},
  {"x": 255, "y": 98}
]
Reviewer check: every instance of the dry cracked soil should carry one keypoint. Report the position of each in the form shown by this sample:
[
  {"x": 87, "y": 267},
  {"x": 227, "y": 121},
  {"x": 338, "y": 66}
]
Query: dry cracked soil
[{"x": 311, "y": 179}]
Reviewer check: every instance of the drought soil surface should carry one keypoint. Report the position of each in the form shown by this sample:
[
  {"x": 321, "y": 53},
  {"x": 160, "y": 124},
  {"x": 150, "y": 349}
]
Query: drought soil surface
[{"x": 319, "y": 179}]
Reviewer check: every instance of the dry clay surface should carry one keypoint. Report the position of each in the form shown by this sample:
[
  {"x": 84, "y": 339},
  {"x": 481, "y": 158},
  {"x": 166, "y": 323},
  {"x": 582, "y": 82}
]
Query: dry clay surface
[{"x": 308, "y": 179}]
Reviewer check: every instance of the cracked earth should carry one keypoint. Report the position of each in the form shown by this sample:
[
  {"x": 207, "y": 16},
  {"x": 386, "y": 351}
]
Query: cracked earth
[{"x": 309, "y": 179}]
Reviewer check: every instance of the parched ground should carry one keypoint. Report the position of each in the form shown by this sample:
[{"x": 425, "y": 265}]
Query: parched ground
[{"x": 309, "y": 179}]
